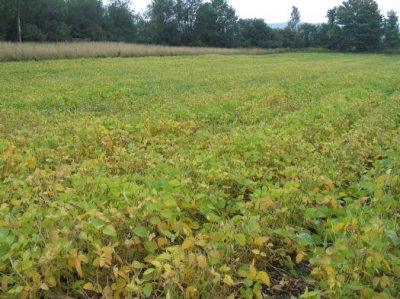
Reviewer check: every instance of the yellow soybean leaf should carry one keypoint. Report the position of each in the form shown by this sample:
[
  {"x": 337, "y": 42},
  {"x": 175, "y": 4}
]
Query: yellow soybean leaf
[
  {"x": 341, "y": 278},
  {"x": 228, "y": 280},
  {"x": 264, "y": 278},
  {"x": 257, "y": 293},
  {"x": 191, "y": 292},
  {"x": 31, "y": 162},
  {"x": 188, "y": 243},
  {"x": 201, "y": 243},
  {"x": 384, "y": 281},
  {"x": 108, "y": 292},
  {"x": 201, "y": 261},
  {"x": 337, "y": 227},
  {"x": 4, "y": 282},
  {"x": 88, "y": 286},
  {"x": 224, "y": 268},
  {"x": 242, "y": 272},
  {"x": 191, "y": 258},
  {"x": 164, "y": 256},
  {"x": 299, "y": 258},
  {"x": 25, "y": 293},
  {"x": 252, "y": 271},
  {"x": 138, "y": 265},
  {"x": 162, "y": 241},
  {"x": 51, "y": 282},
  {"x": 330, "y": 250},
  {"x": 60, "y": 188},
  {"x": 121, "y": 283},
  {"x": 74, "y": 262},
  {"x": 259, "y": 241},
  {"x": 82, "y": 258},
  {"x": 157, "y": 264},
  {"x": 386, "y": 267},
  {"x": 266, "y": 203},
  {"x": 168, "y": 271},
  {"x": 375, "y": 281},
  {"x": 329, "y": 270},
  {"x": 381, "y": 295},
  {"x": 44, "y": 287}
]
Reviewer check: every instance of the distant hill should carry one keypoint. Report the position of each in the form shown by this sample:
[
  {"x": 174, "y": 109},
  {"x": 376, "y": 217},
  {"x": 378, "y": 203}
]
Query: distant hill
[
  {"x": 277, "y": 25},
  {"x": 283, "y": 25}
]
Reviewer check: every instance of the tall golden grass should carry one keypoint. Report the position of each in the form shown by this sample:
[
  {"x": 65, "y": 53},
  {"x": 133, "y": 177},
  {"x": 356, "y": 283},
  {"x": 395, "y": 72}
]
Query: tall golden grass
[{"x": 28, "y": 51}]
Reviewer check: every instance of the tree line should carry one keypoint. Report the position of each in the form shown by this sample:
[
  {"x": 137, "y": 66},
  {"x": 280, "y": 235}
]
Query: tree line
[{"x": 356, "y": 25}]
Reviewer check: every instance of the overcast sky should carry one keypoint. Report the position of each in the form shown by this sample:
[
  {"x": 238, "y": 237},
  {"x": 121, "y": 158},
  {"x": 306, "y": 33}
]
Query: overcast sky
[{"x": 277, "y": 11}]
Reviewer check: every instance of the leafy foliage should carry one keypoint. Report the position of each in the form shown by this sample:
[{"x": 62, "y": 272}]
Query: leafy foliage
[
  {"x": 360, "y": 25},
  {"x": 391, "y": 29},
  {"x": 294, "y": 21},
  {"x": 200, "y": 176}
]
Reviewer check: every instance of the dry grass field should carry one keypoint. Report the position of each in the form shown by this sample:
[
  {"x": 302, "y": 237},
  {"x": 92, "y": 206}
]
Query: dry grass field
[{"x": 29, "y": 51}]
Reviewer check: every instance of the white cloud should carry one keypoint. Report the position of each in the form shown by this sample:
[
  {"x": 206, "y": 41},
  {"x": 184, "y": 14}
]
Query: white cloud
[{"x": 275, "y": 11}]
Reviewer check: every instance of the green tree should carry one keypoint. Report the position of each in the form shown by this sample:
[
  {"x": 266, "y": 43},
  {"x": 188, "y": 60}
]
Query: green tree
[
  {"x": 40, "y": 20},
  {"x": 163, "y": 26},
  {"x": 226, "y": 23},
  {"x": 255, "y": 33},
  {"x": 50, "y": 19},
  {"x": 330, "y": 34},
  {"x": 186, "y": 13},
  {"x": 143, "y": 30},
  {"x": 206, "y": 25},
  {"x": 309, "y": 34},
  {"x": 294, "y": 21},
  {"x": 8, "y": 19},
  {"x": 120, "y": 22},
  {"x": 86, "y": 18},
  {"x": 15, "y": 15},
  {"x": 391, "y": 30},
  {"x": 289, "y": 38},
  {"x": 361, "y": 25},
  {"x": 25, "y": 21},
  {"x": 216, "y": 24}
]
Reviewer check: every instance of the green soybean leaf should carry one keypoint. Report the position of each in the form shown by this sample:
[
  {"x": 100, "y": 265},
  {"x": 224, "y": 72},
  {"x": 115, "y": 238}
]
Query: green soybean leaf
[
  {"x": 109, "y": 230},
  {"x": 147, "y": 289},
  {"x": 240, "y": 239},
  {"x": 140, "y": 231}
]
